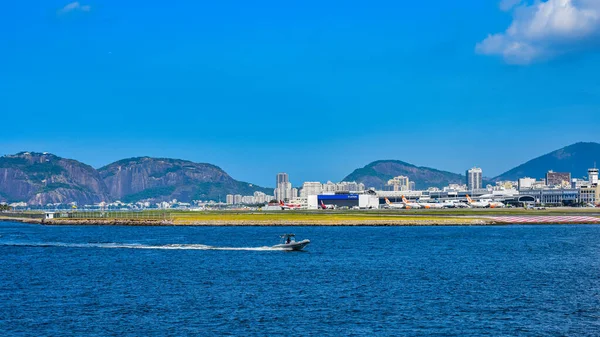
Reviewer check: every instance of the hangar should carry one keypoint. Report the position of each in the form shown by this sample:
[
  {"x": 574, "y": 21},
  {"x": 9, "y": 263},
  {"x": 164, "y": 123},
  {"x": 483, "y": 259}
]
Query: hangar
[{"x": 364, "y": 201}]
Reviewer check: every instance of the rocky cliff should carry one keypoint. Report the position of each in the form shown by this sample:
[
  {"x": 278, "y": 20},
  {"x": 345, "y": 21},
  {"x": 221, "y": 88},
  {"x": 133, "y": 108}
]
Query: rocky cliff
[
  {"x": 42, "y": 178},
  {"x": 161, "y": 179}
]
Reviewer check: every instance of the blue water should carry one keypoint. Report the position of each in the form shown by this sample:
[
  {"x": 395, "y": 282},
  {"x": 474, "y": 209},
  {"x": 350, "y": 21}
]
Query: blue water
[{"x": 351, "y": 281}]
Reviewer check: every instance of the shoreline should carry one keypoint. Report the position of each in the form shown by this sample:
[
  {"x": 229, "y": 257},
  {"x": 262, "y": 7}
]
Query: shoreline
[{"x": 228, "y": 223}]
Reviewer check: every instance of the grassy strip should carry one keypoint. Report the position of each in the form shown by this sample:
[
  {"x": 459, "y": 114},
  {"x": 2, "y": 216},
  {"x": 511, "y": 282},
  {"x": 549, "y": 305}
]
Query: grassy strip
[
  {"x": 321, "y": 217},
  {"x": 310, "y": 218}
]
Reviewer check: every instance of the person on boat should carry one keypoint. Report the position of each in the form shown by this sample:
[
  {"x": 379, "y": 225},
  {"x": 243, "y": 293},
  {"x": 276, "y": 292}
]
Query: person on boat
[{"x": 289, "y": 240}]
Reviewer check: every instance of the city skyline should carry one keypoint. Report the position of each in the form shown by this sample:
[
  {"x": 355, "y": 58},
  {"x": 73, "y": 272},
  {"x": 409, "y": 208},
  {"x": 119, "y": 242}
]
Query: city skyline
[
  {"x": 554, "y": 187},
  {"x": 481, "y": 177},
  {"x": 210, "y": 82}
]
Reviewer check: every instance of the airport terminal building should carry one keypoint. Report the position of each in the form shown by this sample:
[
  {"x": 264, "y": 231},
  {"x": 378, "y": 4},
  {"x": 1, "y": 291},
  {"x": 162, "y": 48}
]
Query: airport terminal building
[{"x": 350, "y": 201}]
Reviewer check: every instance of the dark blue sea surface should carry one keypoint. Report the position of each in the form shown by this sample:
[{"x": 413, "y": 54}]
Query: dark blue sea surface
[{"x": 351, "y": 281}]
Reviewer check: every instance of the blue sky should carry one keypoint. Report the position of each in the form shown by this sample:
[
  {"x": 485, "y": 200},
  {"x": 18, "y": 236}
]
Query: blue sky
[{"x": 312, "y": 88}]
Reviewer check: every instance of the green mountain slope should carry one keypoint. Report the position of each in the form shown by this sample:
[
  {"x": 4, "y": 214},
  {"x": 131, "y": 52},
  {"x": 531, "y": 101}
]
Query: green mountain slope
[
  {"x": 163, "y": 179},
  {"x": 576, "y": 158},
  {"x": 376, "y": 174}
]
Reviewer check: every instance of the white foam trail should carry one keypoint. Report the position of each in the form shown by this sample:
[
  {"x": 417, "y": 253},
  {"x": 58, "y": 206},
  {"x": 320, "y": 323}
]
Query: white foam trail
[{"x": 135, "y": 246}]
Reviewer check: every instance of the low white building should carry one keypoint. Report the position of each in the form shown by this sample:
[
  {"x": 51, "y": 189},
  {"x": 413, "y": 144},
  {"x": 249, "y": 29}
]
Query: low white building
[{"x": 363, "y": 201}]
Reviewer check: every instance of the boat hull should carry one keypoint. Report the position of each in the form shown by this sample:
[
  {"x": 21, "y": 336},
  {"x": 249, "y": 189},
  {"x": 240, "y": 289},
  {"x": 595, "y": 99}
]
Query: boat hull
[{"x": 293, "y": 245}]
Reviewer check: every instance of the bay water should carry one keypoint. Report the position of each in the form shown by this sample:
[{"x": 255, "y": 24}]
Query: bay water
[{"x": 351, "y": 281}]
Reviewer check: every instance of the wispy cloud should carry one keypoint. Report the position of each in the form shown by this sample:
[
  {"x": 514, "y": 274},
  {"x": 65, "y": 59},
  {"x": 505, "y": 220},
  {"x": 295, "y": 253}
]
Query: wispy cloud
[
  {"x": 507, "y": 5},
  {"x": 74, "y": 6},
  {"x": 544, "y": 30}
]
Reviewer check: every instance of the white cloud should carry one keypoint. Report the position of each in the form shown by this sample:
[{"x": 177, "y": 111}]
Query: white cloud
[
  {"x": 507, "y": 5},
  {"x": 544, "y": 30},
  {"x": 74, "y": 6}
]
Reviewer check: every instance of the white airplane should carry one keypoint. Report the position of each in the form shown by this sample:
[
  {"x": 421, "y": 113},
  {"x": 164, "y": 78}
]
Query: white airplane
[
  {"x": 477, "y": 204},
  {"x": 288, "y": 206},
  {"x": 393, "y": 205},
  {"x": 409, "y": 205},
  {"x": 454, "y": 204},
  {"x": 431, "y": 205},
  {"x": 485, "y": 203},
  {"x": 323, "y": 206}
]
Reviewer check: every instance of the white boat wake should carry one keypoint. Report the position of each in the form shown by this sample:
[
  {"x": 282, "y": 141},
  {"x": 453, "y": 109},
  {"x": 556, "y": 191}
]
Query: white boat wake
[{"x": 135, "y": 246}]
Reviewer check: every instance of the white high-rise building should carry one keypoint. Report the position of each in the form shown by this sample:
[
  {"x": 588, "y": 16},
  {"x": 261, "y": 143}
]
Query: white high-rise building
[
  {"x": 237, "y": 199},
  {"x": 311, "y": 188},
  {"x": 260, "y": 198},
  {"x": 229, "y": 199},
  {"x": 316, "y": 188},
  {"x": 282, "y": 178},
  {"x": 283, "y": 190},
  {"x": 329, "y": 187},
  {"x": 593, "y": 176},
  {"x": 475, "y": 178},
  {"x": 526, "y": 183},
  {"x": 399, "y": 183}
]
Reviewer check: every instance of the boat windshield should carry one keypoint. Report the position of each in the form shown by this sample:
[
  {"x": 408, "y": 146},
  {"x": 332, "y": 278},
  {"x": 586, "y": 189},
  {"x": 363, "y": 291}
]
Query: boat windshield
[{"x": 287, "y": 238}]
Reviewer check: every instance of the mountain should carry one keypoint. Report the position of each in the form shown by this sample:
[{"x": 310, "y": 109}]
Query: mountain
[
  {"x": 42, "y": 178},
  {"x": 162, "y": 179},
  {"x": 576, "y": 158},
  {"x": 376, "y": 174}
]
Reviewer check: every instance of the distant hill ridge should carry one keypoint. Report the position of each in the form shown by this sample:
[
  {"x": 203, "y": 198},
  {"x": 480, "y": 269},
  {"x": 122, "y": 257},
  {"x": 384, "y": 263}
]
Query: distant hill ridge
[
  {"x": 145, "y": 178},
  {"x": 42, "y": 178},
  {"x": 377, "y": 173},
  {"x": 576, "y": 158}
]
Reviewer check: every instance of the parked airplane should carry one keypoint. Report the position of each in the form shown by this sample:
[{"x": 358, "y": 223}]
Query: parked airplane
[
  {"x": 496, "y": 204},
  {"x": 285, "y": 206},
  {"x": 430, "y": 205},
  {"x": 485, "y": 203},
  {"x": 409, "y": 205},
  {"x": 323, "y": 206},
  {"x": 454, "y": 204},
  {"x": 477, "y": 204},
  {"x": 394, "y": 205}
]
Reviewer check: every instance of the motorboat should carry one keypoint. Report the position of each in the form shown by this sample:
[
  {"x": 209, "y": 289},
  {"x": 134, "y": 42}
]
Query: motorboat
[{"x": 288, "y": 242}]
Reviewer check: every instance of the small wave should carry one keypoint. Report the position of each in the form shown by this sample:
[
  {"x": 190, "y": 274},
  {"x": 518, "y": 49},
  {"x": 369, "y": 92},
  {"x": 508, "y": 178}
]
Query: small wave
[{"x": 135, "y": 246}]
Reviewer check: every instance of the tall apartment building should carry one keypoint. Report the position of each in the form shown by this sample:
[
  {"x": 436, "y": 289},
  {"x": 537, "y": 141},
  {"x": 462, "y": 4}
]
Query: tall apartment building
[
  {"x": 558, "y": 179},
  {"x": 311, "y": 188},
  {"x": 283, "y": 189},
  {"x": 526, "y": 183},
  {"x": 329, "y": 187},
  {"x": 399, "y": 183},
  {"x": 260, "y": 198},
  {"x": 474, "y": 178}
]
